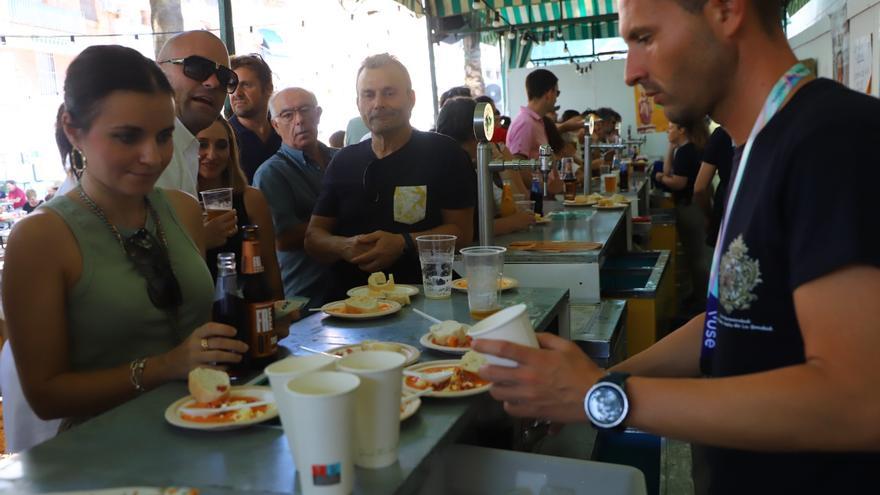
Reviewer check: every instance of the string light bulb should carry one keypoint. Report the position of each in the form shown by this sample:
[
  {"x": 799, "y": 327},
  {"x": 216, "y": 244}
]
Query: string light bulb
[
  {"x": 477, "y": 5},
  {"x": 525, "y": 40},
  {"x": 511, "y": 35},
  {"x": 497, "y": 22}
]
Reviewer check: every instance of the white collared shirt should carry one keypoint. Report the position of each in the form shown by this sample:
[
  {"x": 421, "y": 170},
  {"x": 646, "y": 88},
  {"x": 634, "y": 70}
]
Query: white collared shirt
[{"x": 182, "y": 172}]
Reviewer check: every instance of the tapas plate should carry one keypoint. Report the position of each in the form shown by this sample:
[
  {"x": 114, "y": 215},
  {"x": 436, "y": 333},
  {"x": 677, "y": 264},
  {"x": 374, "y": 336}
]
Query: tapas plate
[
  {"x": 463, "y": 378},
  {"x": 228, "y": 421},
  {"x": 507, "y": 283},
  {"x": 427, "y": 342},
  {"x": 411, "y": 353},
  {"x": 569, "y": 202},
  {"x": 408, "y": 408},
  {"x": 364, "y": 290},
  {"x": 337, "y": 309},
  {"x": 615, "y": 206}
]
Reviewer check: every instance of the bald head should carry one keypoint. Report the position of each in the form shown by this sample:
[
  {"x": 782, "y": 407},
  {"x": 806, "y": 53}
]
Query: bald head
[
  {"x": 295, "y": 117},
  {"x": 197, "y": 103},
  {"x": 281, "y": 99}
]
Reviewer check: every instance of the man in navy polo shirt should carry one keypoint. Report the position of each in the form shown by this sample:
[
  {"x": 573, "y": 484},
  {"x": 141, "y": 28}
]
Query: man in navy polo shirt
[
  {"x": 380, "y": 194},
  {"x": 291, "y": 181},
  {"x": 257, "y": 139},
  {"x": 778, "y": 379}
]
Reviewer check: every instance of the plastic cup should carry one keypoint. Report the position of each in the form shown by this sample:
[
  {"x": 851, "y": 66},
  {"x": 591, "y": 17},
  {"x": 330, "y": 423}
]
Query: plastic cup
[
  {"x": 217, "y": 201},
  {"x": 483, "y": 266},
  {"x": 526, "y": 205},
  {"x": 610, "y": 182},
  {"x": 436, "y": 253},
  {"x": 280, "y": 373},
  {"x": 377, "y": 424},
  {"x": 511, "y": 324},
  {"x": 323, "y": 430}
]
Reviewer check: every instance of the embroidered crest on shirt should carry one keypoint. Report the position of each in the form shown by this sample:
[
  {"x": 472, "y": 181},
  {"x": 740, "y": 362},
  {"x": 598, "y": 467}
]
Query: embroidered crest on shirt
[
  {"x": 410, "y": 203},
  {"x": 739, "y": 274}
]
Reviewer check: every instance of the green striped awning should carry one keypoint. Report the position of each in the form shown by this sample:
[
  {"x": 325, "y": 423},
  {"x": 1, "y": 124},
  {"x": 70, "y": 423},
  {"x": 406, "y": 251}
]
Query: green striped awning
[{"x": 795, "y": 5}]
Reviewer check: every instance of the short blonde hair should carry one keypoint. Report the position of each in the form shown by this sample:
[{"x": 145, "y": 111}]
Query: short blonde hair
[{"x": 383, "y": 60}]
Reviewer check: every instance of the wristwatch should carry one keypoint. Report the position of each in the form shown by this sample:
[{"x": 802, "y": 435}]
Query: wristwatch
[{"x": 606, "y": 402}]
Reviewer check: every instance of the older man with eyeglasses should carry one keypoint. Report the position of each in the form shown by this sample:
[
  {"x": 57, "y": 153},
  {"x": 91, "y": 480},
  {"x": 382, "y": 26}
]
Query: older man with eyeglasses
[{"x": 291, "y": 180}]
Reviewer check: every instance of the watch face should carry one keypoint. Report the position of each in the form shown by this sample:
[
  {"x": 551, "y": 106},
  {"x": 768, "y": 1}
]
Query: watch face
[{"x": 606, "y": 405}]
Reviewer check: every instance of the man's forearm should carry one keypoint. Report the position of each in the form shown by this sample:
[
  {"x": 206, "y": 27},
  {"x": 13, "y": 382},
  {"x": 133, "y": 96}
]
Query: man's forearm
[
  {"x": 676, "y": 355},
  {"x": 323, "y": 246}
]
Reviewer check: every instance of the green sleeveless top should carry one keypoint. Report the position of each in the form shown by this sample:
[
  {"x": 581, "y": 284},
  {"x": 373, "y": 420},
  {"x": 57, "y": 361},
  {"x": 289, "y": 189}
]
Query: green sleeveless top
[{"x": 110, "y": 317}]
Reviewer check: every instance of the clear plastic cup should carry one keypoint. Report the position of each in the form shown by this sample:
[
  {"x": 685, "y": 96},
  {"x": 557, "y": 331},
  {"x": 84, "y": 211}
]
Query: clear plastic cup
[
  {"x": 483, "y": 267},
  {"x": 436, "y": 253},
  {"x": 217, "y": 201}
]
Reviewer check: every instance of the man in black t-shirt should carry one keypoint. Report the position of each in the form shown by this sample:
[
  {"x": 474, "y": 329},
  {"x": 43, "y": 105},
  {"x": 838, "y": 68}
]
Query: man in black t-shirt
[
  {"x": 717, "y": 157},
  {"x": 782, "y": 388},
  {"x": 379, "y": 195}
]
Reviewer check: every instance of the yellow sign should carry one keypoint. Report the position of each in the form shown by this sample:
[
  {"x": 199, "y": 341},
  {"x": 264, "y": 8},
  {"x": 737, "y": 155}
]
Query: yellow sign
[{"x": 650, "y": 115}]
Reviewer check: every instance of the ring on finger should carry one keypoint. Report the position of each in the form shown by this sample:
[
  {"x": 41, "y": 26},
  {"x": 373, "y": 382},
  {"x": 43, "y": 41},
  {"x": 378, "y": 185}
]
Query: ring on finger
[{"x": 205, "y": 344}]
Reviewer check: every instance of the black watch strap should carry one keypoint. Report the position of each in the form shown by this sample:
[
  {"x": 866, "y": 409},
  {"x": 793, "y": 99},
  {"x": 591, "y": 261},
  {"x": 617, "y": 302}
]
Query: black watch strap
[
  {"x": 408, "y": 241},
  {"x": 617, "y": 378}
]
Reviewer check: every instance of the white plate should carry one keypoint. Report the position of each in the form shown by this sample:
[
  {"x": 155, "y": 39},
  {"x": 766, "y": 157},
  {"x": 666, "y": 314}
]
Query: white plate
[
  {"x": 172, "y": 414},
  {"x": 443, "y": 395},
  {"x": 411, "y": 353},
  {"x": 410, "y": 407},
  {"x": 507, "y": 283},
  {"x": 426, "y": 341},
  {"x": 569, "y": 202},
  {"x": 364, "y": 290},
  {"x": 389, "y": 308},
  {"x": 616, "y": 206}
]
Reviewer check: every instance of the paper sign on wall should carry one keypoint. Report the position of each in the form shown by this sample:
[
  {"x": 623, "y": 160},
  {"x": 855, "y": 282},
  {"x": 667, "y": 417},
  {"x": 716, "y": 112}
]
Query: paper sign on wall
[
  {"x": 650, "y": 115},
  {"x": 861, "y": 65}
]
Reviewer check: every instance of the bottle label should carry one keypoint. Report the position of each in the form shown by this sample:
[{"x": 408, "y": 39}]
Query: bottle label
[
  {"x": 263, "y": 339},
  {"x": 250, "y": 257}
]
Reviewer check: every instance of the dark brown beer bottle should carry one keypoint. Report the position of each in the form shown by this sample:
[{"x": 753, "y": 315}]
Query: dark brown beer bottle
[
  {"x": 259, "y": 318},
  {"x": 228, "y": 306}
]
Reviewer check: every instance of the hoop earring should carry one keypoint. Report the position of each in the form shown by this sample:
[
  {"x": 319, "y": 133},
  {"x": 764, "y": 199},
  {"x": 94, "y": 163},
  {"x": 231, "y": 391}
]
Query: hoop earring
[{"x": 78, "y": 162}]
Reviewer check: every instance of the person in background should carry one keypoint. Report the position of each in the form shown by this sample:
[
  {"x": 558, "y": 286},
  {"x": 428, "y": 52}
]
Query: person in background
[
  {"x": 125, "y": 297},
  {"x": 356, "y": 131},
  {"x": 717, "y": 157},
  {"x": 455, "y": 92},
  {"x": 219, "y": 167},
  {"x": 32, "y": 201},
  {"x": 337, "y": 140},
  {"x": 561, "y": 147},
  {"x": 680, "y": 169},
  {"x": 15, "y": 194},
  {"x": 527, "y": 133},
  {"x": 456, "y": 120},
  {"x": 379, "y": 195},
  {"x": 778, "y": 379},
  {"x": 291, "y": 182},
  {"x": 52, "y": 191},
  {"x": 250, "y": 106}
]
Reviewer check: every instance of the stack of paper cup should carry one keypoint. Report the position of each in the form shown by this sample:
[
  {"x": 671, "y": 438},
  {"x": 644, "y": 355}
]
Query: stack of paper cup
[
  {"x": 323, "y": 431},
  {"x": 511, "y": 324},
  {"x": 377, "y": 424},
  {"x": 280, "y": 373}
]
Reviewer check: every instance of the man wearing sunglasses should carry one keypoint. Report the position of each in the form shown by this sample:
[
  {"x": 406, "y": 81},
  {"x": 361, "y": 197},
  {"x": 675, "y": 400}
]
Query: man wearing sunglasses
[{"x": 197, "y": 66}]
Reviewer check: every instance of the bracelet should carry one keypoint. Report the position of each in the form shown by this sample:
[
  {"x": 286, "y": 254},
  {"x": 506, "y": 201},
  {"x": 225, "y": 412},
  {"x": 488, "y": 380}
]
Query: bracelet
[
  {"x": 136, "y": 374},
  {"x": 408, "y": 240}
]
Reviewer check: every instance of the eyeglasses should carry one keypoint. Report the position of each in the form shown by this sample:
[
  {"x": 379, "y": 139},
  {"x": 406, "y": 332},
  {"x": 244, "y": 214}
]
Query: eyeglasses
[
  {"x": 152, "y": 262},
  {"x": 200, "y": 69},
  {"x": 288, "y": 114}
]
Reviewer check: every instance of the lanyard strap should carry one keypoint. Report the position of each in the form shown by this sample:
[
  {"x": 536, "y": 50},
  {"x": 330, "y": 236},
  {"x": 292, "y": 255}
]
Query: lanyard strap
[{"x": 775, "y": 100}]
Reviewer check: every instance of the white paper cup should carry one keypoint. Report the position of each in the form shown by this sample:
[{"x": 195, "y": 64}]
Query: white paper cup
[
  {"x": 323, "y": 430},
  {"x": 377, "y": 423},
  {"x": 511, "y": 324},
  {"x": 282, "y": 371}
]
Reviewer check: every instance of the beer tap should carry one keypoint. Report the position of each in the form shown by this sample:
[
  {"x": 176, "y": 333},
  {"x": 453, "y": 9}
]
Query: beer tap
[
  {"x": 589, "y": 146},
  {"x": 545, "y": 156}
]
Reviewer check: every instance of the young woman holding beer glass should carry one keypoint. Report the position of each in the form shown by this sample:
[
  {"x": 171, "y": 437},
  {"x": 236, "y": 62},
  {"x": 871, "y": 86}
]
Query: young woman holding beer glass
[
  {"x": 219, "y": 167},
  {"x": 124, "y": 294}
]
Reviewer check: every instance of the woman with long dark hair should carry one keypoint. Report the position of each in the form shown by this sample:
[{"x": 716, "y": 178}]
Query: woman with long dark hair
[{"x": 124, "y": 294}]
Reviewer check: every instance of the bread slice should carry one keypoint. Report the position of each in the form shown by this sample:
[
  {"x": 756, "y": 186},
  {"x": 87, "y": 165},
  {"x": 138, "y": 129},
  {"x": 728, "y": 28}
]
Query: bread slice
[
  {"x": 445, "y": 330},
  {"x": 361, "y": 304},
  {"x": 397, "y": 295},
  {"x": 378, "y": 283},
  {"x": 472, "y": 361},
  {"x": 208, "y": 385}
]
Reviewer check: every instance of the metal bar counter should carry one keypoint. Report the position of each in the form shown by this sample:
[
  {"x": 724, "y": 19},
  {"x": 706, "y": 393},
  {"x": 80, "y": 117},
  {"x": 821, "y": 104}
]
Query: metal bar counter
[{"x": 133, "y": 445}]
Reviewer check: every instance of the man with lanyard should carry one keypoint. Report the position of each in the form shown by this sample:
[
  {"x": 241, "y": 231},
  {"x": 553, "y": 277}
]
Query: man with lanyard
[
  {"x": 291, "y": 181},
  {"x": 779, "y": 377}
]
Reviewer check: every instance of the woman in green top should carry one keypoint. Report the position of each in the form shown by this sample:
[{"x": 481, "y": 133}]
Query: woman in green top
[{"x": 106, "y": 290}]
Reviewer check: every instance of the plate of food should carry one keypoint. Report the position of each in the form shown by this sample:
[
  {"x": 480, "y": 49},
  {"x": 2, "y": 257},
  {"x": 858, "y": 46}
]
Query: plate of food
[
  {"x": 461, "y": 379},
  {"x": 409, "y": 405},
  {"x": 506, "y": 283},
  {"x": 619, "y": 198},
  {"x": 607, "y": 204},
  {"x": 411, "y": 353},
  {"x": 361, "y": 308},
  {"x": 447, "y": 336},
  {"x": 582, "y": 200},
  {"x": 380, "y": 287},
  {"x": 541, "y": 220},
  {"x": 215, "y": 405}
]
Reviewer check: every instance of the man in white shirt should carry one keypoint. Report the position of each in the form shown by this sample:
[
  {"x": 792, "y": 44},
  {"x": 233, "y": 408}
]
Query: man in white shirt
[{"x": 197, "y": 66}]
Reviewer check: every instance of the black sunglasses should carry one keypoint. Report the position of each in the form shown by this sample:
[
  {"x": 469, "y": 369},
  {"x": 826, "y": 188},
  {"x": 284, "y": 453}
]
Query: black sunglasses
[
  {"x": 200, "y": 69},
  {"x": 152, "y": 262}
]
